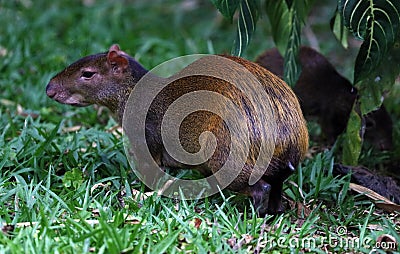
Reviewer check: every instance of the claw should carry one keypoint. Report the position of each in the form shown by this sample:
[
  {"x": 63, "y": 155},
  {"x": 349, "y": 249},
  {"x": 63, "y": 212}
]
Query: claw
[{"x": 291, "y": 167}]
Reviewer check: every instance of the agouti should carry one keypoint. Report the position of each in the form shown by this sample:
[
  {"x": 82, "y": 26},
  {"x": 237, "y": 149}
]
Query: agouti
[
  {"x": 323, "y": 93},
  {"x": 108, "y": 78}
]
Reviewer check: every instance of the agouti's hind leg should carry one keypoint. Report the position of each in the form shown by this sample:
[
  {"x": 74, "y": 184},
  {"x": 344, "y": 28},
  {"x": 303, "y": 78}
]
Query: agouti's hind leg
[{"x": 260, "y": 192}]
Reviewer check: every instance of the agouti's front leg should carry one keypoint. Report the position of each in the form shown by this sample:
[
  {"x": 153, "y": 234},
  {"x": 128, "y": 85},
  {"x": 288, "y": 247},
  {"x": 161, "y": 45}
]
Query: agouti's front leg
[
  {"x": 275, "y": 205},
  {"x": 260, "y": 192},
  {"x": 267, "y": 198}
]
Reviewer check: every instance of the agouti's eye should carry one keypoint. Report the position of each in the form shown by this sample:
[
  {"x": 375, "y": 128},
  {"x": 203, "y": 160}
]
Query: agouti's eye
[{"x": 88, "y": 74}]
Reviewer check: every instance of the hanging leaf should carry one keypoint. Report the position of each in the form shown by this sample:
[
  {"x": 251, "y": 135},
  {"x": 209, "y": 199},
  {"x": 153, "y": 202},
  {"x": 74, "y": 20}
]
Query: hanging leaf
[
  {"x": 227, "y": 7},
  {"x": 377, "y": 23},
  {"x": 381, "y": 80},
  {"x": 286, "y": 24},
  {"x": 289, "y": 3},
  {"x": 292, "y": 67},
  {"x": 279, "y": 17},
  {"x": 352, "y": 139},
  {"x": 337, "y": 27},
  {"x": 302, "y": 8},
  {"x": 248, "y": 16}
]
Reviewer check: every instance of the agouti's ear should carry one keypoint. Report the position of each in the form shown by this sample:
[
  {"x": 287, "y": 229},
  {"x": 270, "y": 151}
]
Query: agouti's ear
[
  {"x": 114, "y": 47},
  {"x": 117, "y": 59}
]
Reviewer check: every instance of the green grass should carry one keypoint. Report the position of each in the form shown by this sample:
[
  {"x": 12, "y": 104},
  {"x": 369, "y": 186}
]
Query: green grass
[{"x": 71, "y": 191}]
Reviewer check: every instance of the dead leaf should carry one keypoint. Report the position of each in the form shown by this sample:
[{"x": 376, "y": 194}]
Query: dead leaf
[
  {"x": 197, "y": 223},
  {"x": 3, "y": 51},
  {"x": 165, "y": 187},
  {"x": 380, "y": 200},
  {"x": 140, "y": 195},
  {"x": 231, "y": 242},
  {"x": 97, "y": 185},
  {"x": 72, "y": 128},
  {"x": 247, "y": 238},
  {"x": 23, "y": 113},
  {"x": 7, "y": 228},
  {"x": 302, "y": 210},
  {"x": 132, "y": 220},
  {"x": 115, "y": 130}
]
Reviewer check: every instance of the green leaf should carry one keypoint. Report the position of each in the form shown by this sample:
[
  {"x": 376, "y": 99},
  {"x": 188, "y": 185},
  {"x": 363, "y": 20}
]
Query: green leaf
[
  {"x": 279, "y": 17},
  {"x": 378, "y": 61},
  {"x": 58, "y": 198},
  {"x": 73, "y": 178},
  {"x": 286, "y": 24},
  {"x": 248, "y": 16},
  {"x": 302, "y": 8},
  {"x": 292, "y": 67},
  {"x": 164, "y": 244},
  {"x": 226, "y": 7},
  {"x": 377, "y": 23},
  {"x": 380, "y": 81},
  {"x": 289, "y": 3},
  {"x": 337, "y": 26},
  {"x": 352, "y": 139}
]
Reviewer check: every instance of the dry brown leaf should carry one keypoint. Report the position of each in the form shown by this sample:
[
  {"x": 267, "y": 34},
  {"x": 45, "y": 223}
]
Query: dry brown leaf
[
  {"x": 132, "y": 220},
  {"x": 6, "y": 229},
  {"x": 166, "y": 186},
  {"x": 247, "y": 238},
  {"x": 6, "y": 102},
  {"x": 231, "y": 242},
  {"x": 140, "y": 195},
  {"x": 97, "y": 185},
  {"x": 197, "y": 222},
  {"x": 22, "y": 112},
  {"x": 3, "y": 51},
  {"x": 72, "y": 128},
  {"x": 303, "y": 211},
  {"x": 380, "y": 200},
  {"x": 375, "y": 227},
  {"x": 115, "y": 130}
]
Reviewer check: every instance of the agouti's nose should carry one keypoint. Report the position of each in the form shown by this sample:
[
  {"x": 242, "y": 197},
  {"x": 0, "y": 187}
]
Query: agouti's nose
[{"x": 50, "y": 91}]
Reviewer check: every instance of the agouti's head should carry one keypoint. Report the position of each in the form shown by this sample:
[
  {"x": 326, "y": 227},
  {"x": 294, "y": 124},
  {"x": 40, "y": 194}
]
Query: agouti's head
[
  {"x": 379, "y": 129},
  {"x": 105, "y": 79}
]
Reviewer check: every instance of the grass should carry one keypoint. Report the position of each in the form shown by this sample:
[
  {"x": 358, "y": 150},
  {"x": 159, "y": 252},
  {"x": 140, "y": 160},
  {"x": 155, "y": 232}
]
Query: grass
[{"x": 65, "y": 183}]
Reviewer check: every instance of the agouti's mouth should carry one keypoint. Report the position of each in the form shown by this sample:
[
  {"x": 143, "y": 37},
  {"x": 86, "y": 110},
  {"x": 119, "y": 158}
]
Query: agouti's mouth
[
  {"x": 73, "y": 100},
  {"x": 61, "y": 96},
  {"x": 76, "y": 100}
]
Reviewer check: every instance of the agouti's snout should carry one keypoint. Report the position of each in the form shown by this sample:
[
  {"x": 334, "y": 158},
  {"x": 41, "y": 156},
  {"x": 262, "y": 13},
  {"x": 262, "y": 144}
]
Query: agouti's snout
[
  {"x": 62, "y": 95},
  {"x": 50, "y": 91}
]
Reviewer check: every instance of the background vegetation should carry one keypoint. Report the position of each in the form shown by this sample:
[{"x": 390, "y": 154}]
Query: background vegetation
[
  {"x": 375, "y": 23},
  {"x": 65, "y": 185}
]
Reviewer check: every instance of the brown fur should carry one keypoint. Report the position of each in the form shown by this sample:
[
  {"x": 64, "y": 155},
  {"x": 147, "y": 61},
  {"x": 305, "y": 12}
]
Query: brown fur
[
  {"x": 325, "y": 94},
  {"x": 117, "y": 74}
]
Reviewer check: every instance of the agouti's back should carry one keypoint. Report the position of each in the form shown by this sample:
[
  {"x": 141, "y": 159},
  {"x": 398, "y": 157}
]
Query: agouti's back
[{"x": 108, "y": 79}]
